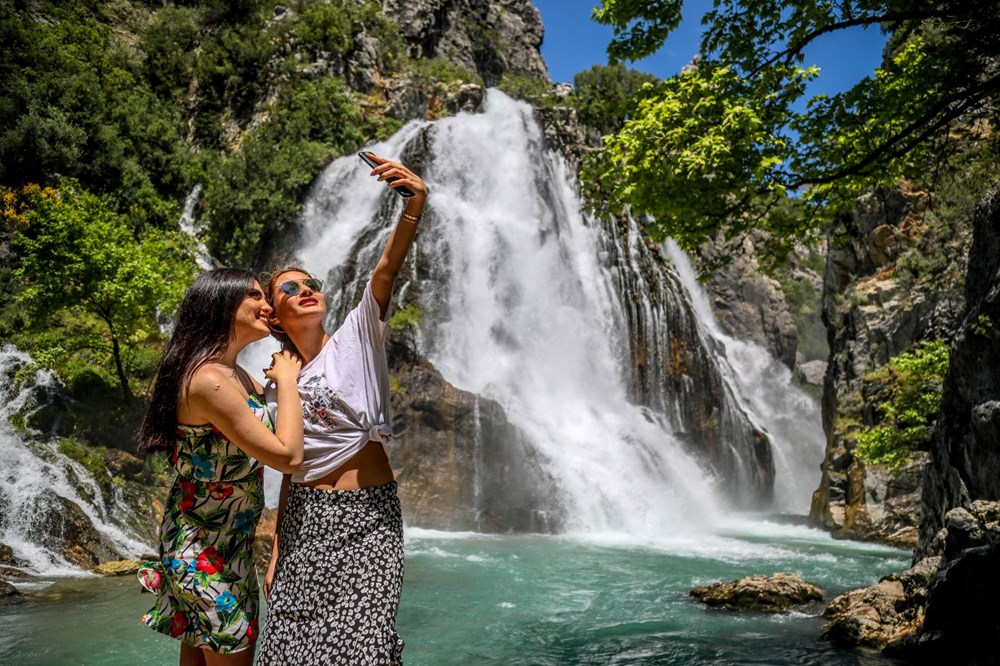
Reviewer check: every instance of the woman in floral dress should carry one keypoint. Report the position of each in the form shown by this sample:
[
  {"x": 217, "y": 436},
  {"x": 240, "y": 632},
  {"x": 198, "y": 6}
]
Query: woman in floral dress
[{"x": 208, "y": 414}]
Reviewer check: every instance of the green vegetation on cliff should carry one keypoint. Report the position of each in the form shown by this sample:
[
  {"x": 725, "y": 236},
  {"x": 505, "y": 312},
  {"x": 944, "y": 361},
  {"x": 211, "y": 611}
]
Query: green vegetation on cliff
[
  {"x": 92, "y": 284},
  {"x": 909, "y": 398}
]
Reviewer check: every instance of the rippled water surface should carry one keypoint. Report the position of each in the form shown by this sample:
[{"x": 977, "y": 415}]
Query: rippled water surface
[{"x": 483, "y": 599}]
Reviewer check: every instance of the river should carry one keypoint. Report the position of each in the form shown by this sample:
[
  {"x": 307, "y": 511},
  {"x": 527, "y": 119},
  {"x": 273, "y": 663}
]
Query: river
[{"x": 528, "y": 600}]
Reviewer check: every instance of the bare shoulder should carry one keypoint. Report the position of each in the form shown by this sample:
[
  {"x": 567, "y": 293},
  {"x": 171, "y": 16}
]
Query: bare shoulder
[{"x": 210, "y": 380}]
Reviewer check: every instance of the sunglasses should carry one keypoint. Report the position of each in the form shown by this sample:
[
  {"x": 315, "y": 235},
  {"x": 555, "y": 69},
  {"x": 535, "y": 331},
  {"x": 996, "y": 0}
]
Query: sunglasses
[{"x": 293, "y": 287}]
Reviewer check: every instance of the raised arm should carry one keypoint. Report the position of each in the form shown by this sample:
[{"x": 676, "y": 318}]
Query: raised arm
[
  {"x": 215, "y": 398},
  {"x": 402, "y": 235}
]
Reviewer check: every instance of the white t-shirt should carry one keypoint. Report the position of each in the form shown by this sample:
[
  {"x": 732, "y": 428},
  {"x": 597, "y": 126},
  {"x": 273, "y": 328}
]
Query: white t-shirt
[{"x": 344, "y": 393}]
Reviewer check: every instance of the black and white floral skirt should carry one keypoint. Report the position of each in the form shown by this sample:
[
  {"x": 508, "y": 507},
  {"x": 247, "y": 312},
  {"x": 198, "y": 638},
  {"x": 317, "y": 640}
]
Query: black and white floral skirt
[{"x": 337, "y": 580}]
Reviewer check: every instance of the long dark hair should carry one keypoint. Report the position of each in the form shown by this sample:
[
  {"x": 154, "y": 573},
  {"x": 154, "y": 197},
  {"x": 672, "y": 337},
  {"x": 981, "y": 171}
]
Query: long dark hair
[{"x": 203, "y": 330}]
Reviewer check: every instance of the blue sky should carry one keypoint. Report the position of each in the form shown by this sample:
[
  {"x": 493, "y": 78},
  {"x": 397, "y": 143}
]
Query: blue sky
[{"x": 574, "y": 42}]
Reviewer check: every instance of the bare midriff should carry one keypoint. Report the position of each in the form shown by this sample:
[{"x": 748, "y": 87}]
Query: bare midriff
[{"x": 368, "y": 468}]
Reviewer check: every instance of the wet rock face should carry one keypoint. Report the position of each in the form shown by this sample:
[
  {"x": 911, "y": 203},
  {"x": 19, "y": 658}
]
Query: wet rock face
[
  {"x": 966, "y": 447},
  {"x": 70, "y": 532},
  {"x": 461, "y": 465},
  {"x": 770, "y": 594},
  {"x": 874, "y": 311},
  {"x": 748, "y": 304},
  {"x": 8, "y": 592}
]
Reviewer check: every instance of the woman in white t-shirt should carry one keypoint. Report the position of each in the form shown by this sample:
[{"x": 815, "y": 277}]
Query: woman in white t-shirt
[{"x": 336, "y": 567}]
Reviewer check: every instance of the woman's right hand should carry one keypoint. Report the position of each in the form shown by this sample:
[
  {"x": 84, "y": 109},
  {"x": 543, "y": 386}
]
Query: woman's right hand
[
  {"x": 269, "y": 578},
  {"x": 285, "y": 367}
]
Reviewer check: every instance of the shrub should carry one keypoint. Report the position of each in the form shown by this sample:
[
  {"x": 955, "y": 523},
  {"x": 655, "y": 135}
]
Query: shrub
[{"x": 914, "y": 381}]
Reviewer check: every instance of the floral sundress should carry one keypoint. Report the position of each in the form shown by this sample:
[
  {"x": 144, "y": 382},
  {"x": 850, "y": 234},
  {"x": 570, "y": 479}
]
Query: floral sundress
[{"x": 206, "y": 581}]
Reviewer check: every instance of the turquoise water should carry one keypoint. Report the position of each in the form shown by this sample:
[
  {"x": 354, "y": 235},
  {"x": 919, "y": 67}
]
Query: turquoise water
[{"x": 520, "y": 600}]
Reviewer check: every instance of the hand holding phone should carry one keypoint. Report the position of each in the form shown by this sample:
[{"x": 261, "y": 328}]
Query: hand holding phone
[{"x": 402, "y": 190}]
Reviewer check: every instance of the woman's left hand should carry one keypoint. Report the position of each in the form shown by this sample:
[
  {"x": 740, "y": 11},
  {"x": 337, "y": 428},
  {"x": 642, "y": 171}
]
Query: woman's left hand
[{"x": 393, "y": 169}]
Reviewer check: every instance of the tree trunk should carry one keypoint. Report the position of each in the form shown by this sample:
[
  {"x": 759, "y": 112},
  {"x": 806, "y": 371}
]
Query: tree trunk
[{"x": 120, "y": 368}]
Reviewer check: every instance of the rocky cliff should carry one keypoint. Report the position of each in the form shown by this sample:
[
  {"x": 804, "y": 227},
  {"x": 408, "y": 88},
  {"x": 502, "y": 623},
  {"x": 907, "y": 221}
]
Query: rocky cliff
[
  {"x": 934, "y": 612},
  {"x": 965, "y": 450},
  {"x": 488, "y": 37},
  {"x": 881, "y": 297},
  {"x": 749, "y": 304}
]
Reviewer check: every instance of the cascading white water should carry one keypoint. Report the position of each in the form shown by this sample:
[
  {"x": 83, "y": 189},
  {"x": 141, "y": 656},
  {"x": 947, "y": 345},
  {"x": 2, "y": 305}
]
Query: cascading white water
[
  {"x": 35, "y": 478},
  {"x": 189, "y": 225},
  {"x": 522, "y": 306},
  {"x": 765, "y": 390},
  {"x": 520, "y": 309}
]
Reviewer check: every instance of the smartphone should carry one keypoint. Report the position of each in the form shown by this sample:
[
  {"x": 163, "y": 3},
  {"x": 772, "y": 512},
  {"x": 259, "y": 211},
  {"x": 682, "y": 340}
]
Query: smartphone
[{"x": 402, "y": 191}]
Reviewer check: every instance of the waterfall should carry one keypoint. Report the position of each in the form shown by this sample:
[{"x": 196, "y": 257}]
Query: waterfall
[
  {"x": 583, "y": 334},
  {"x": 764, "y": 387},
  {"x": 189, "y": 225},
  {"x": 38, "y": 483}
]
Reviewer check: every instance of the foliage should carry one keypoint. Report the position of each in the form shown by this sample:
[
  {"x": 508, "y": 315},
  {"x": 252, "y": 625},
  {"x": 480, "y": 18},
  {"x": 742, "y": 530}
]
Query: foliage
[
  {"x": 804, "y": 302},
  {"x": 604, "y": 95},
  {"x": 254, "y": 198},
  {"x": 334, "y": 27},
  {"x": 71, "y": 105},
  {"x": 91, "y": 457},
  {"x": 109, "y": 114},
  {"x": 407, "y": 321},
  {"x": 169, "y": 43},
  {"x": 984, "y": 326},
  {"x": 914, "y": 384},
  {"x": 425, "y": 71},
  {"x": 90, "y": 282},
  {"x": 712, "y": 148},
  {"x": 406, "y": 318},
  {"x": 528, "y": 87}
]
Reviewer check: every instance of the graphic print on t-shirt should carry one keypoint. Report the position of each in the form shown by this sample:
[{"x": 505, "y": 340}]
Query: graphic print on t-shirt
[{"x": 317, "y": 407}]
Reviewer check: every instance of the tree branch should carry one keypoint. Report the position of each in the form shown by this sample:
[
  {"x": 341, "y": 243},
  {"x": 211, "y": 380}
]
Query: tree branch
[
  {"x": 890, "y": 17},
  {"x": 926, "y": 125}
]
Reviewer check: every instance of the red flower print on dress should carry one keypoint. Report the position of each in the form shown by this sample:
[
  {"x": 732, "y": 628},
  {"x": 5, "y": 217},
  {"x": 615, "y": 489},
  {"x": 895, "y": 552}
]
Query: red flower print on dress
[
  {"x": 252, "y": 630},
  {"x": 178, "y": 624},
  {"x": 210, "y": 561},
  {"x": 188, "y": 488},
  {"x": 220, "y": 490}
]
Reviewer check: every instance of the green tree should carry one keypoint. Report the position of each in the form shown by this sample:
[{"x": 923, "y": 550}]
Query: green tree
[
  {"x": 73, "y": 103},
  {"x": 255, "y": 195},
  {"x": 605, "y": 95},
  {"x": 715, "y": 147},
  {"x": 80, "y": 262}
]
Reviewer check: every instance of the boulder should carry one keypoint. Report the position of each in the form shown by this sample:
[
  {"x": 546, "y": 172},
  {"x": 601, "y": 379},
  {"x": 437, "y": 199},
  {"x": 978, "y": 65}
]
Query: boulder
[
  {"x": 117, "y": 568},
  {"x": 769, "y": 594},
  {"x": 8, "y": 592},
  {"x": 880, "y": 614}
]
